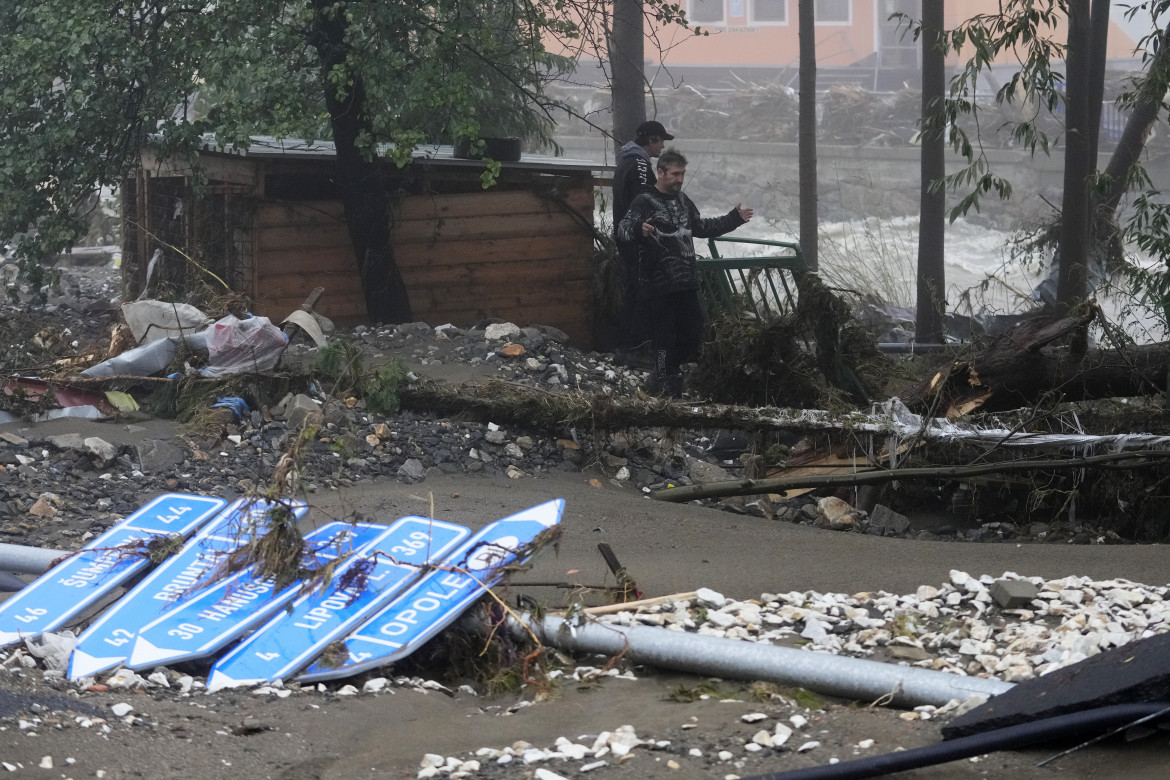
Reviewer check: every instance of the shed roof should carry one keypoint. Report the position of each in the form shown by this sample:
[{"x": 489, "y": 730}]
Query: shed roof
[{"x": 267, "y": 146}]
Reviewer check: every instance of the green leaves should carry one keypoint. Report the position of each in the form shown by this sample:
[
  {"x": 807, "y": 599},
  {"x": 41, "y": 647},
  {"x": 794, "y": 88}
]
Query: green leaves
[{"x": 83, "y": 86}]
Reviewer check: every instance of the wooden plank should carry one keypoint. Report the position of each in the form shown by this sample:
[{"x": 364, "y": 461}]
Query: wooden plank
[
  {"x": 486, "y": 227},
  {"x": 570, "y": 294},
  {"x": 505, "y": 275},
  {"x": 323, "y": 212},
  {"x": 422, "y": 233},
  {"x": 303, "y": 236},
  {"x": 502, "y": 250},
  {"x": 509, "y": 202},
  {"x": 217, "y": 168},
  {"x": 444, "y": 259},
  {"x": 303, "y": 284},
  {"x": 333, "y": 260}
]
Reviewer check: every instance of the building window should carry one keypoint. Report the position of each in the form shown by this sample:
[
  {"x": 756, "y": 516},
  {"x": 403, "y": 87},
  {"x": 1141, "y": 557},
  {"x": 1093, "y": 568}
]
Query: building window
[
  {"x": 770, "y": 11},
  {"x": 831, "y": 11},
  {"x": 705, "y": 11}
]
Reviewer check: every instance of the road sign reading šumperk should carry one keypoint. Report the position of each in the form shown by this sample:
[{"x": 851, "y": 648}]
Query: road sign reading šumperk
[
  {"x": 209, "y": 620},
  {"x": 432, "y": 603},
  {"x": 69, "y": 588},
  {"x": 295, "y": 636},
  {"x": 108, "y": 641}
]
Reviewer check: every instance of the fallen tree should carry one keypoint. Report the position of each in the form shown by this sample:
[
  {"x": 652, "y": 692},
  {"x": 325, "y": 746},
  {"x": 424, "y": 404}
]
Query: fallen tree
[
  {"x": 1022, "y": 367},
  {"x": 747, "y": 487}
]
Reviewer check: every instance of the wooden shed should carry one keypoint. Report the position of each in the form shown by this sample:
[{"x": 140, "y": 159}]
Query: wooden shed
[{"x": 267, "y": 222}]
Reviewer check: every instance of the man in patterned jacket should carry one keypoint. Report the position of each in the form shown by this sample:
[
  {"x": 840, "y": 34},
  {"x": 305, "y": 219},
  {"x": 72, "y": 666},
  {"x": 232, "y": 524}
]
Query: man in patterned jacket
[
  {"x": 634, "y": 175},
  {"x": 664, "y": 224}
]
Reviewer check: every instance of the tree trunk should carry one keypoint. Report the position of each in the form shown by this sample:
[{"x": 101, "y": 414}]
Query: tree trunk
[
  {"x": 359, "y": 178},
  {"x": 627, "y": 65},
  {"x": 807, "y": 133},
  {"x": 1073, "y": 251},
  {"x": 932, "y": 208},
  {"x": 1137, "y": 129},
  {"x": 1020, "y": 368}
]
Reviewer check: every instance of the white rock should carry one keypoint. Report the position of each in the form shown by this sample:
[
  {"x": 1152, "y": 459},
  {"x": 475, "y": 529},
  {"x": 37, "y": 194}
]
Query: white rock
[
  {"x": 593, "y": 765},
  {"x": 780, "y": 735},
  {"x": 798, "y": 721},
  {"x": 722, "y": 619},
  {"x": 753, "y": 717},
  {"x": 500, "y": 330},
  {"x": 124, "y": 678},
  {"x": 432, "y": 760},
  {"x": 762, "y": 738},
  {"x": 544, "y": 774},
  {"x": 121, "y": 709},
  {"x": 807, "y": 746},
  {"x": 710, "y": 597},
  {"x": 46, "y": 763},
  {"x": 374, "y": 685}
]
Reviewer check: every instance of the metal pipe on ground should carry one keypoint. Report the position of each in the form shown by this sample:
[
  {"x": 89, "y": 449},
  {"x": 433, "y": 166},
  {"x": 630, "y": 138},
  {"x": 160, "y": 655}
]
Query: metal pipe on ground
[
  {"x": 10, "y": 583},
  {"x": 900, "y": 348},
  {"x": 27, "y": 560},
  {"x": 702, "y": 654}
]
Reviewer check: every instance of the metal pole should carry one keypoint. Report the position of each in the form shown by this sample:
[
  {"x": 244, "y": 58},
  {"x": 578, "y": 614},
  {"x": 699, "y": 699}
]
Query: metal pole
[
  {"x": 702, "y": 654},
  {"x": 27, "y": 560},
  {"x": 10, "y": 583}
]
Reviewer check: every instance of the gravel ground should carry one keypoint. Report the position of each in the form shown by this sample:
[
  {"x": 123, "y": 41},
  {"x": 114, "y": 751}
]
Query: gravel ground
[{"x": 58, "y": 490}]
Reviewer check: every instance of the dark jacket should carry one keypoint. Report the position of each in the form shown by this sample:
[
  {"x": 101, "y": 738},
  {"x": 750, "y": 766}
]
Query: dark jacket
[
  {"x": 633, "y": 176},
  {"x": 667, "y": 257}
]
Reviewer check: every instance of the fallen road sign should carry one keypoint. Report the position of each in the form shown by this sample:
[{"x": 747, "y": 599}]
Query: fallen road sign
[
  {"x": 296, "y": 636},
  {"x": 432, "y": 603},
  {"x": 108, "y": 641},
  {"x": 223, "y": 611},
  {"x": 81, "y": 580}
]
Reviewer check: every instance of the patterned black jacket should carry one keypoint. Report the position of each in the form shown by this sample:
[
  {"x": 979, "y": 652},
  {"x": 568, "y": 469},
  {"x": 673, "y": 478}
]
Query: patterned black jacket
[{"x": 667, "y": 256}]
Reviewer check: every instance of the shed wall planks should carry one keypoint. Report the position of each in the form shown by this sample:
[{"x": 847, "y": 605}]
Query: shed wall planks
[{"x": 512, "y": 255}]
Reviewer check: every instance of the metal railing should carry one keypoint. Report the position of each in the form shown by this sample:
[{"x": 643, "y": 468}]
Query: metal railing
[{"x": 762, "y": 284}]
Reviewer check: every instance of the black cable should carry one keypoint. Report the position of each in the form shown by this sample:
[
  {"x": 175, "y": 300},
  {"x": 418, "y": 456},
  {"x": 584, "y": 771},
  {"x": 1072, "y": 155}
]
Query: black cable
[{"x": 1073, "y": 725}]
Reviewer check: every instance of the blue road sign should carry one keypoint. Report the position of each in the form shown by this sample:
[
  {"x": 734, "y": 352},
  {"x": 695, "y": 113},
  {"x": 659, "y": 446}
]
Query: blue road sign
[
  {"x": 72, "y": 586},
  {"x": 432, "y": 603},
  {"x": 108, "y": 641},
  {"x": 297, "y": 635},
  {"x": 208, "y": 620}
]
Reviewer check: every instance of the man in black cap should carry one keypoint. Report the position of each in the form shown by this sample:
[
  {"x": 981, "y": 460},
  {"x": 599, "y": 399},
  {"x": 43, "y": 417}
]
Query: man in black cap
[{"x": 634, "y": 175}]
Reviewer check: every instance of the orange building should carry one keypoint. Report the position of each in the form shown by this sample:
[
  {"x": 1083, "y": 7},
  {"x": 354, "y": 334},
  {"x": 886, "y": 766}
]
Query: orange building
[{"x": 856, "y": 40}]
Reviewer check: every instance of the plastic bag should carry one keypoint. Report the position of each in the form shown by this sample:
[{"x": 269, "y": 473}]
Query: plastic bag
[{"x": 236, "y": 345}]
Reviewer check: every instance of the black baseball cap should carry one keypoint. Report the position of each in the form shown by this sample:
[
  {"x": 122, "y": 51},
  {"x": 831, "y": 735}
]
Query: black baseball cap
[{"x": 653, "y": 127}]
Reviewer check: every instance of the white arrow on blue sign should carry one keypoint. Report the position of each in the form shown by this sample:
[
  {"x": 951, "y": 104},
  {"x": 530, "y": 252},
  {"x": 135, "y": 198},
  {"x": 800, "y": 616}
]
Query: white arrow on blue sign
[
  {"x": 208, "y": 620},
  {"x": 107, "y": 642},
  {"x": 69, "y": 588},
  {"x": 432, "y": 603},
  {"x": 296, "y": 636}
]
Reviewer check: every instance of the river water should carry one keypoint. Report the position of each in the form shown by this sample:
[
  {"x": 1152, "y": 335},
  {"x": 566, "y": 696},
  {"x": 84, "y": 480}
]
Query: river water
[{"x": 878, "y": 258}]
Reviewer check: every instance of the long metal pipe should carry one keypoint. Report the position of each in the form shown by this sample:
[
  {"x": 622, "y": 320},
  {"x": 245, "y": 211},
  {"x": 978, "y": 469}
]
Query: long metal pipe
[
  {"x": 27, "y": 560},
  {"x": 10, "y": 583},
  {"x": 834, "y": 675}
]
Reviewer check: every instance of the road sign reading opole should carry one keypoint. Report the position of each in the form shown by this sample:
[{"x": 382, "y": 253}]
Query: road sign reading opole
[
  {"x": 436, "y": 600},
  {"x": 294, "y": 637},
  {"x": 69, "y": 588},
  {"x": 108, "y": 641}
]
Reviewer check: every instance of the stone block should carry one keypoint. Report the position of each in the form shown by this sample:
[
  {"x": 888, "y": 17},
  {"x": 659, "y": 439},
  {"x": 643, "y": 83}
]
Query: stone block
[{"x": 1013, "y": 594}]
